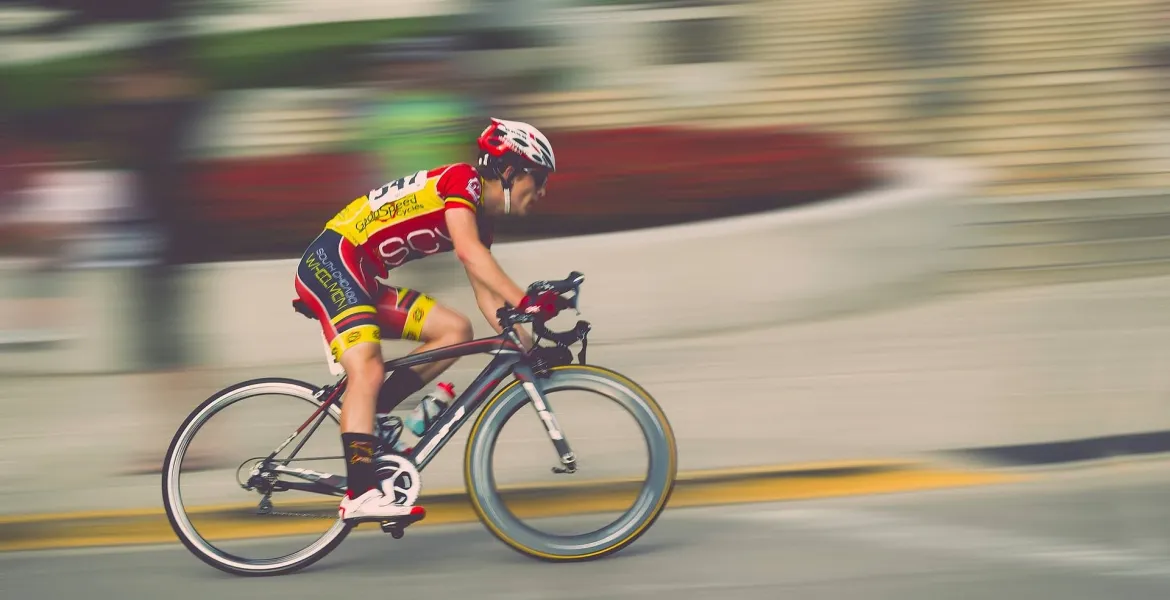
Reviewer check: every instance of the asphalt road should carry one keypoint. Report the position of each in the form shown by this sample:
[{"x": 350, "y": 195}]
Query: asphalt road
[
  {"x": 1088, "y": 534},
  {"x": 1019, "y": 366}
]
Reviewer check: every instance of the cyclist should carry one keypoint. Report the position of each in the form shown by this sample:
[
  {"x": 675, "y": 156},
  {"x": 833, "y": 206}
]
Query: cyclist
[{"x": 449, "y": 208}]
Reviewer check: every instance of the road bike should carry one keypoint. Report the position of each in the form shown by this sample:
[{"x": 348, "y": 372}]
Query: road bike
[{"x": 534, "y": 374}]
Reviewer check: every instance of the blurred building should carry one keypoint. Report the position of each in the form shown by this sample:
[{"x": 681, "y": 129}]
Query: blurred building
[{"x": 1053, "y": 100}]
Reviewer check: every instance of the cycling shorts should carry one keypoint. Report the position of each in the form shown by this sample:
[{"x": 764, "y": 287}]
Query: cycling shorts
[{"x": 337, "y": 282}]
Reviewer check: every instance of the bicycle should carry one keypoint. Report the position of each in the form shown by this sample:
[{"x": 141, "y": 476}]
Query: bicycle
[{"x": 536, "y": 373}]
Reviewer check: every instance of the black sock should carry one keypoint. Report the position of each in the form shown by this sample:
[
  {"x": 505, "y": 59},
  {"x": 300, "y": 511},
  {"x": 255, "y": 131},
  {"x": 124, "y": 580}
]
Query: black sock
[
  {"x": 359, "y": 462},
  {"x": 400, "y": 385}
]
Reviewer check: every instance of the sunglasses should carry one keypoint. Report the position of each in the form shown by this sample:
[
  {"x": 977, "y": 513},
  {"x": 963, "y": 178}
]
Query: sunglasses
[{"x": 539, "y": 176}]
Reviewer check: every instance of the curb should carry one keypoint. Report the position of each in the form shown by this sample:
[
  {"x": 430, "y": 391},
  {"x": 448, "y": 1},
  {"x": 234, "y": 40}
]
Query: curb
[
  {"x": 698, "y": 488},
  {"x": 1082, "y": 451}
]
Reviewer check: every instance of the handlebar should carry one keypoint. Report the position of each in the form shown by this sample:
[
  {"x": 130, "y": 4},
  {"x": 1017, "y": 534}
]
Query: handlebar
[
  {"x": 509, "y": 316},
  {"x": 572, "y": 283}
]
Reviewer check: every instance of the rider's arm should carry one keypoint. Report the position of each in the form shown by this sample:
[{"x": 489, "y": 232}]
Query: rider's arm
[
  {"x": 489, "y": 303},
  {"x": 477, "y": 259},
  {"x": 485, "y": 274}
]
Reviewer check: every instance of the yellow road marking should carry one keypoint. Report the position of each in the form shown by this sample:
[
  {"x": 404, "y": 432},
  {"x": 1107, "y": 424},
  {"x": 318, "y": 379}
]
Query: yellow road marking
[
  {"x": 721, "y": 487},
  {"x": 683, "y": 477}
]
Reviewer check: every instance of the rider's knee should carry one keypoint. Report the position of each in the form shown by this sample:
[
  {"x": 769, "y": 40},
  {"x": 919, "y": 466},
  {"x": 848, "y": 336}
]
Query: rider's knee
[
  {"x": 364, "y": 367},
  {"x": 460, "y": 330}
]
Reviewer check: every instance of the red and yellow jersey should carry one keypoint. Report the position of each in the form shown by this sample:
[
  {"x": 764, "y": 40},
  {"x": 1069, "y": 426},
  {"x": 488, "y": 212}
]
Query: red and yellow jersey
[{"x": 405, "y": 220}]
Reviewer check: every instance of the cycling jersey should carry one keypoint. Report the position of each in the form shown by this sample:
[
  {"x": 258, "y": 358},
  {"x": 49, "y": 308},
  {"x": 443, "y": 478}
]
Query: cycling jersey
[
  {"x": 402, "y": 221},
  {"x": 405, "y": 219}
]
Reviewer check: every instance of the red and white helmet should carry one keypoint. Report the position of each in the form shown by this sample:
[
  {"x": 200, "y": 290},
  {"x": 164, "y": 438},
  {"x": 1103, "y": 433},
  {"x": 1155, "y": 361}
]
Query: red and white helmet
[{"x": 516, "y": 144}]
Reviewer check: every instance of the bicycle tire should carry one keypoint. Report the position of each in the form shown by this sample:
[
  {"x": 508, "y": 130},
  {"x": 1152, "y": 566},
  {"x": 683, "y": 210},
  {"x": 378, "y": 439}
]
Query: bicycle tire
[
  {"x": 652, "y": 498},
  {"x": 177, "y": 516}
]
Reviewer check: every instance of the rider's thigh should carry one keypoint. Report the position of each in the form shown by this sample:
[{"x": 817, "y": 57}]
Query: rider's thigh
[
  {"x": 336, "y": 288},
  {"x": 447, "y": 325},
  {"x": 411, "y": 315}
]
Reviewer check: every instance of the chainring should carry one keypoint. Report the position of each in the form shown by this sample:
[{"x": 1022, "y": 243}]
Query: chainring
[{"x": 399, "y": 478}]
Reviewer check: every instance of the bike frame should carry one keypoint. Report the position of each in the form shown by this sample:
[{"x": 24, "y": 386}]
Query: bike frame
[{"x": 510, "y": 359}]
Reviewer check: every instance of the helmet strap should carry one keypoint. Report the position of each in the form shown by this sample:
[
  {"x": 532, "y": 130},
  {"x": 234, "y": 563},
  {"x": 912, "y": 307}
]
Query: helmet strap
[{"x": 507, "y": 184}]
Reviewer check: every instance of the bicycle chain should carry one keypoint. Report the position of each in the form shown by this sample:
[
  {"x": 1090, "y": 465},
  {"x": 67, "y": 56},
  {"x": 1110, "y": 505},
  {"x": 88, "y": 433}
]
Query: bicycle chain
[
  {"x": 295, "y": 514},
  {"x": 266, "y": 503},
  {"x": 291, "y": 514}
]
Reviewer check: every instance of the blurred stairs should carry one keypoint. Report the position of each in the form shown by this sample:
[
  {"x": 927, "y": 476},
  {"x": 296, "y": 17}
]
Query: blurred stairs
[
  {"x": 1064, "y": 238},
  {"x": 1051, "y": 100}
]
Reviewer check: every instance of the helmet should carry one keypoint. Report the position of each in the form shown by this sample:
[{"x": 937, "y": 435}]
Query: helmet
[{"x": 514, "y": 144}]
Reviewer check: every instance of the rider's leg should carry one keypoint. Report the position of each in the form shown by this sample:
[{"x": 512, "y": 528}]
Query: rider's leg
[
  {"x": 414, "y": 316},
  {"x": 444, "y": 327},
  {"x": 364, "y": 498},
  {"x": 401, "y": 313},
  {"x": 333, "y": 283},
  {"x": 363, "y": 368}
]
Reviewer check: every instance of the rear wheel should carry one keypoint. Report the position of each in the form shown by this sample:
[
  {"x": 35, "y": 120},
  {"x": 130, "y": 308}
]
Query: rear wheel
[{"x": 309, "y": 531}]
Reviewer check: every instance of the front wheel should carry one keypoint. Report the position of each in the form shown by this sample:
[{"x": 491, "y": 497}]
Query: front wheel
[{"x": 651, "y": 496}]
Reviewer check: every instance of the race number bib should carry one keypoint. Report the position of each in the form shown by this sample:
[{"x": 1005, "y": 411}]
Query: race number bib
[{"x": 397, "y": 190}]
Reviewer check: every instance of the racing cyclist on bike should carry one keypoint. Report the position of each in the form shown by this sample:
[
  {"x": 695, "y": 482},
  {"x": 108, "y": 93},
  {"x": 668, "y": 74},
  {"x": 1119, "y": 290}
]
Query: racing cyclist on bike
[{"x": 449, "y": 208}]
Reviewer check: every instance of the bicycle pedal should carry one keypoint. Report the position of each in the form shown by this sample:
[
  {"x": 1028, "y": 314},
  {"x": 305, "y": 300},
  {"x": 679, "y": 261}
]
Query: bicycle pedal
[{"x": 397, "y": 525}]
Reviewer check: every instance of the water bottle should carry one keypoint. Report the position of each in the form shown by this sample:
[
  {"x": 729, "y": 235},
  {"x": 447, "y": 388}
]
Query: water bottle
[{"x": 429, "y": 409}]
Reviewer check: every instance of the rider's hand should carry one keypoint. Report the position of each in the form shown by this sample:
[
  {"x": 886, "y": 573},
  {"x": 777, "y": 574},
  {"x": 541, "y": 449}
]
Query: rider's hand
[{"x": 544, "y": 306}]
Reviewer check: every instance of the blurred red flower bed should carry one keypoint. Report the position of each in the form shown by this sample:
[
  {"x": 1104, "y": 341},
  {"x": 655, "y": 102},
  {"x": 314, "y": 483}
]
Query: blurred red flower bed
[{"x": 608, "y": 180}]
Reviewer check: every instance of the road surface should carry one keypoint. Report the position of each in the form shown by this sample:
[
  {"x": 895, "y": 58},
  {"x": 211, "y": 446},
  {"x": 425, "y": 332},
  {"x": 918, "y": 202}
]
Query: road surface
[{"x": 1076, "y": 534}]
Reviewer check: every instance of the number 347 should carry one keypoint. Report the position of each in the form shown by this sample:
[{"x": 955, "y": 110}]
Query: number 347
[{"x": 401, "y": 188}]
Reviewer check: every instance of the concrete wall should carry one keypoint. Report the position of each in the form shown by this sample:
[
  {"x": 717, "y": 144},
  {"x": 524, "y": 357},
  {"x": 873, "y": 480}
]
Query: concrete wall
[{"x": 652, "y": 284}]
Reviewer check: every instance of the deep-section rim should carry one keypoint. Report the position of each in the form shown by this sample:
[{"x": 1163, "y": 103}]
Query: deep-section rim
[{"x": 652, "y": 498}]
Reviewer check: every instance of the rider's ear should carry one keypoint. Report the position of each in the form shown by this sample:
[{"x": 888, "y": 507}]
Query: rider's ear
[{"x": 507, "y": 173}]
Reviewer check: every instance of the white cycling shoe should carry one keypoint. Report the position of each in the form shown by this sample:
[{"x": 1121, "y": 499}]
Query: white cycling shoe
[{"x": 374, "y": 505}]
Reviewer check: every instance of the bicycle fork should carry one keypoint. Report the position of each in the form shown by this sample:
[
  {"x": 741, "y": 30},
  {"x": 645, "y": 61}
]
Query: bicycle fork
[{"x": 544, "y": 411}]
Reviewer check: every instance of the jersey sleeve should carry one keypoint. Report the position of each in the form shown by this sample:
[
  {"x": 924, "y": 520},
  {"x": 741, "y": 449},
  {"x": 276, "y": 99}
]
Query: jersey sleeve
[{"x": 459, "y": 187}]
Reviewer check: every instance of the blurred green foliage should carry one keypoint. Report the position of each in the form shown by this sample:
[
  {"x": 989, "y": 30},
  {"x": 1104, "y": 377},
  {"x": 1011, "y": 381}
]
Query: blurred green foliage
[{"x": 321, "y": 54}]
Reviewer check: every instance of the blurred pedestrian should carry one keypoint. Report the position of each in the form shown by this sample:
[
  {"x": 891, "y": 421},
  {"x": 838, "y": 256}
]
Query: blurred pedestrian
[
  {"x": 419, "y": 111},
  {"x": 153, "y": 99},
  {"x": 46, "y": 203}
]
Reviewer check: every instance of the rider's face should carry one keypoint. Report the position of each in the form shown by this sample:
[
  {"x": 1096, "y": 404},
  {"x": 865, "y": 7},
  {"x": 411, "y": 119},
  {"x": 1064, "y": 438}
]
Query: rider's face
[{"x": 527, "y": 189}]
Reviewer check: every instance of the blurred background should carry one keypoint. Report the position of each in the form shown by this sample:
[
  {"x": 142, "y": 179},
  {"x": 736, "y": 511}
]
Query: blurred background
[{"x": 960, "y": 210}]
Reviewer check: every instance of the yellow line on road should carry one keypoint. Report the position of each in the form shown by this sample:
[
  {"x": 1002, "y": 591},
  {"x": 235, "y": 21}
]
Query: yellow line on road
[
  {"x": 112, "y": 528},
  {"x": 683, "y": 477}
]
